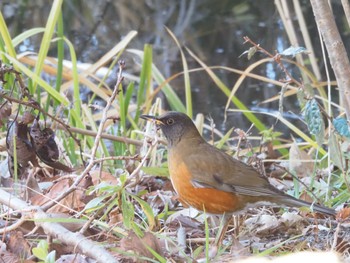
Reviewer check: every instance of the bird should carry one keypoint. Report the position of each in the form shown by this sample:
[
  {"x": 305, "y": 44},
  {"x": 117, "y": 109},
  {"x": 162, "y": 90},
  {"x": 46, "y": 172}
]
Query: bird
[{"x": 210, "y": 180}]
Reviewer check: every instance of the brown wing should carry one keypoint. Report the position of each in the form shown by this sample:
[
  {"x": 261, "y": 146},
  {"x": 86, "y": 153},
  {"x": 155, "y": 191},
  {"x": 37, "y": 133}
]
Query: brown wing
[{"x": 212, "y": 168}]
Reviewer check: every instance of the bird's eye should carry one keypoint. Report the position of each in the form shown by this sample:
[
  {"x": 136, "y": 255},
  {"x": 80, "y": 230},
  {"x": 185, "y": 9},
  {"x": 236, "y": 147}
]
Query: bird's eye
[{"x": 170, "y": 121}]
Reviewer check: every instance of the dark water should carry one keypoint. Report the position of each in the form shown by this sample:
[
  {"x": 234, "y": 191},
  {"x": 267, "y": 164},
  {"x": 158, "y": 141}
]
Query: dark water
[{"x": 213, "y": 30}]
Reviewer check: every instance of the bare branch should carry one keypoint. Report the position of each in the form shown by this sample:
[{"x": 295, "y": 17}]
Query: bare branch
[
  {"x": 41, "y": 219},
  {"x": 336, "y": 51}
]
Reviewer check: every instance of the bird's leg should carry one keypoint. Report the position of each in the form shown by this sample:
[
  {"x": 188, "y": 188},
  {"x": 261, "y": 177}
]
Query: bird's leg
[
  {"x": 226, "y": 219},
  {"x": 236, "y": 225}
]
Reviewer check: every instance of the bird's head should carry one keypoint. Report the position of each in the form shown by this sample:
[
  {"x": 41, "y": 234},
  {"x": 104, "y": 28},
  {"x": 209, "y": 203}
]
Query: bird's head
[{"x": 175, "y": 126}]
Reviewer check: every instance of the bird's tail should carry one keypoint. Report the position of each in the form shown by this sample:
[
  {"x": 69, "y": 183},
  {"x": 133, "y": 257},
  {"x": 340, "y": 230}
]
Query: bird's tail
[{"x": 293, "y": 202}]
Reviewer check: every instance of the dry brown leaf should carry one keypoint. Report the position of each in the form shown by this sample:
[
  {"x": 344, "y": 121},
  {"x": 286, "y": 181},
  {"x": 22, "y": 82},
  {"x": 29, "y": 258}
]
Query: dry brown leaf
[
  {"x": 18, "y": 131},
  {"x": 343, "y": 213},
  {"x": 139, "y": 245},
  {"x": 8, "y": 257},
  {"x": 5, "y": 112},
  {"x": 291, "y": 219},
  {"x": 262, "y": 224},
  {"x": 99, "y": 176},
  {"x": 18, "y": 245},
  {"x": 300, "y": 162},
  {"x": 32, "y": 188},
  {"x": 69, "y": 203},
  {"x": 159, "y": 199},
  {"x": 115, "y": 216}
]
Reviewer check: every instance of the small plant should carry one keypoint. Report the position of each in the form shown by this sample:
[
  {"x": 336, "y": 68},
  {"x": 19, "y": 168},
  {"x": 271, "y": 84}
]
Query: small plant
[{"x": 41, "y": 251}]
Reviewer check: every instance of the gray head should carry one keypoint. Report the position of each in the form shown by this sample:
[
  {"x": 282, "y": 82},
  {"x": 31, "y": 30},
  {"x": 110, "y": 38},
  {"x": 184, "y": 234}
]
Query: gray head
[{"x": 175, "y": 126}]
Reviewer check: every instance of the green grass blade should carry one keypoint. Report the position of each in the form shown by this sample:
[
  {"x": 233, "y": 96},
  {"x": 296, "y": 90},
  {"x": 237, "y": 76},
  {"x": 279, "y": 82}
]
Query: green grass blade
[
  {"x": 172, "y": 98},
  {"x": 224, "y": 139},
  {"x": 291, "y": 127},
  {"x": 188, "y": 92},
  {"x": 248, "y": 114},
  {"x": 128, "y": 96},
  {"x": 38, "y": 80},
  {"x": 76, "y": 90},
  {"x": 122, "y": 113},
  {"x": 27, "y": 34},
  {"x": 5, "y": 34},
  {"x": 60, "y": 52},
  {"x": 145, "y": 79},
  {"x": 46, "y": 40},
  {"x": 206, "y": 229},
  {"x": 174, "y": 101}
]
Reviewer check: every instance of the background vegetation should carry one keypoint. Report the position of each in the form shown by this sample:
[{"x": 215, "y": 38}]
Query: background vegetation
[{"x": 89, "y": 76}]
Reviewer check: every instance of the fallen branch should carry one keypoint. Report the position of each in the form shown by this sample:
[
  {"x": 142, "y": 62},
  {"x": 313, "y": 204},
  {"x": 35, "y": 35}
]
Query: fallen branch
[{"x": 71, "y": 239}]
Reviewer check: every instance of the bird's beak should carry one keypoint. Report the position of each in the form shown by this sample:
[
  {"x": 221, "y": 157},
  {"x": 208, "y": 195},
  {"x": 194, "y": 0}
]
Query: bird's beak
[{"x": 151, "y": 118}]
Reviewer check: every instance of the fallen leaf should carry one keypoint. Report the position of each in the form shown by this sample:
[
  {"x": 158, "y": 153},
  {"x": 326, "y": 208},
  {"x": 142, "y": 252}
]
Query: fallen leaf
[
  {"x": 74, "y": 258},
  {"x": 262, "y": 224},
  {"x": 73, "y": 201},
  {"x": 290, "y": 219},
  {"x": 140, "y": 245},
  {"x": 343, "y": 213},
  {"x": 18, "y": 245},
  {"x": 299, "y": 161}
]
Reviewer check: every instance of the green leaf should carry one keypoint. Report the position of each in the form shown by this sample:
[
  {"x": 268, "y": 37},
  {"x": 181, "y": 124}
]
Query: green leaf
[
  {"x": 301, "y": 98},
  {"x": 147, "y": 210},
  {"x": 342, "y": 127},
  {"x": 293, "y": 51},
  {"x": 104, "y": 187},
  {"x": 128, "y": 211},
  {"x": 270, "y": 135},
  {"x": 335, "y": 152},
  {"x": 44, "y": 245},
  {"x": 51, "y": 257},
  {"x": 250, "y": 52},
  {"x": 41, "y": 251},
  {"x": 94, "y": 204},
  {"x": 156, "y": 171},
  {"x": 224, "y": 139},
  {"x": 314, "y": 120},
  {"x": 197, "y": 251}
]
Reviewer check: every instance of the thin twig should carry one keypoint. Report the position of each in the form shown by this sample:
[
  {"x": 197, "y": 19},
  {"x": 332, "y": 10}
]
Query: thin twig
[
  {"x": 276, "y": 58},
  {"x": 14, "y": 226},
  {"x": 122, "y": 158},
  {"x": 141, "y": 164},
  {"x": 335, "y": 237},
  {"x": 36, "y": 106},
  {"x": 299, "y": 181},
  {"x": 98, "y": 137}
]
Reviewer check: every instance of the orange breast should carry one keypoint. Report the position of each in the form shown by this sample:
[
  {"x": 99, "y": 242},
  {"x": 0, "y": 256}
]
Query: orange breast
[{"x": 209, "y": 200}]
